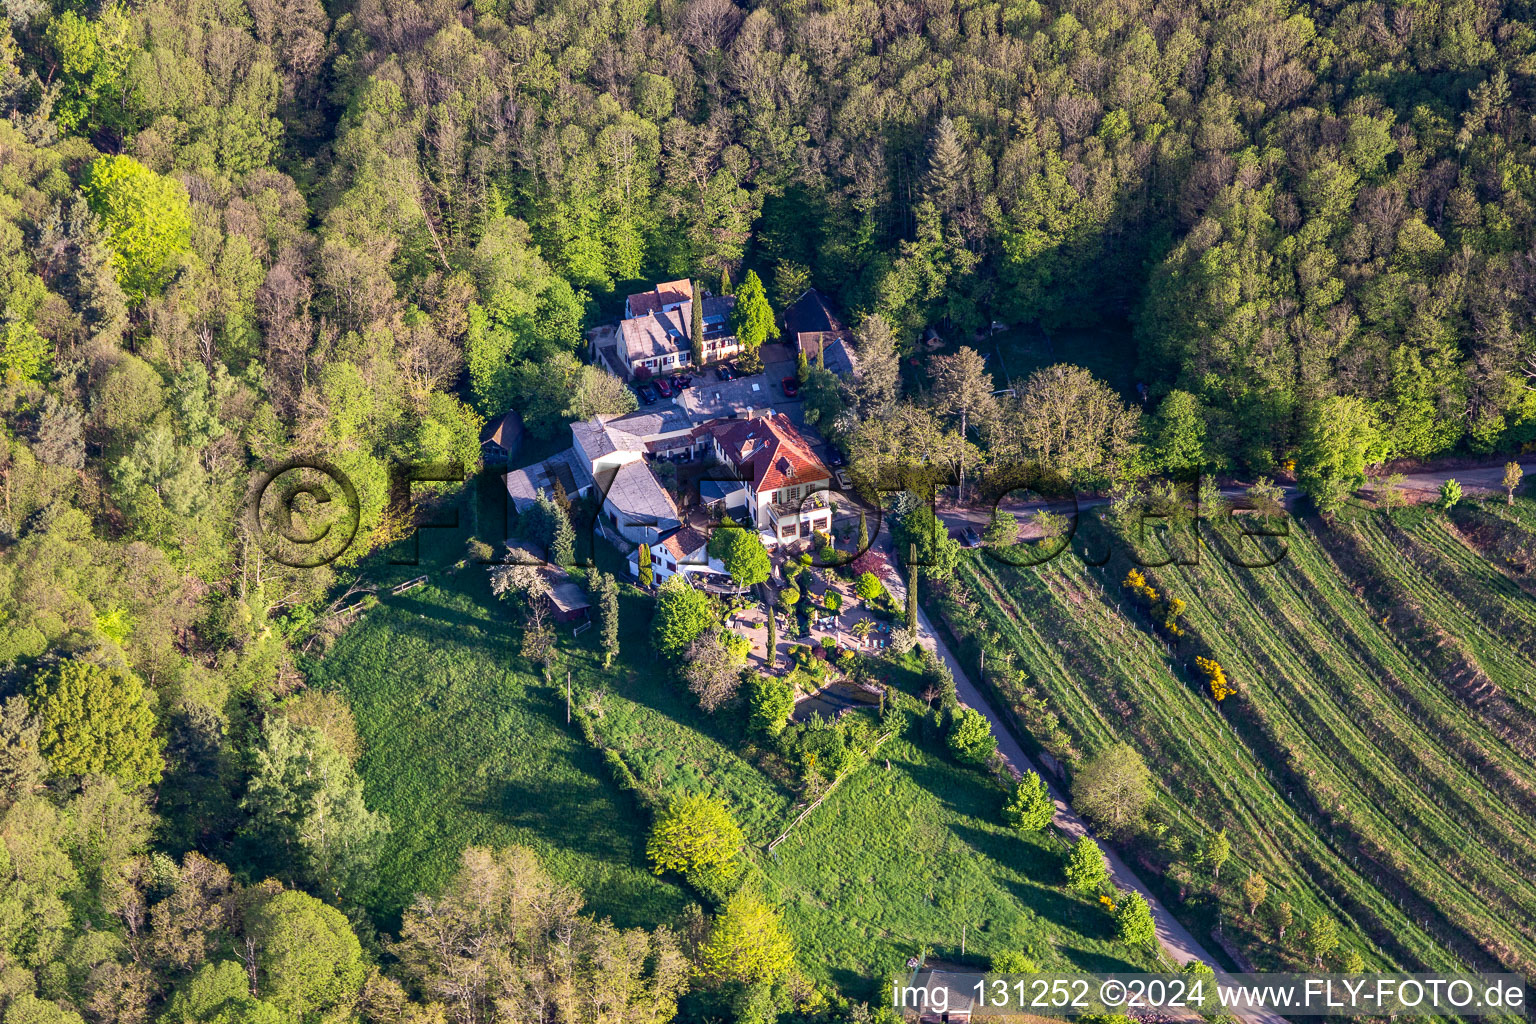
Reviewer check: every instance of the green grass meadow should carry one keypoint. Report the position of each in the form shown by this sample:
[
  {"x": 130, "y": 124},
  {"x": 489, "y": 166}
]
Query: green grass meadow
[{"x": 464, "y": 746}]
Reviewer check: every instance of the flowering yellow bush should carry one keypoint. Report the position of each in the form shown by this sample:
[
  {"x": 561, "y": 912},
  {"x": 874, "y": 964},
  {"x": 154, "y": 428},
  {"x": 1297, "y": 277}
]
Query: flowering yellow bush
[
  {"x": 1136, "y": 583},
  {"x": 1165, "y": 610},
  {"x": 1216, "y": 678}
]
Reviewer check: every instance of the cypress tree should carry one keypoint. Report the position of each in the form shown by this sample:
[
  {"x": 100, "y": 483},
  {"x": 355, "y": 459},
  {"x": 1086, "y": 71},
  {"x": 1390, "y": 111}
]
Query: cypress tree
[
  {"x": 646, "y": 576},
  {"x": 725, "y": 280},
  {"x": 773, "y": 640},
  {"x": 608, "y": 615},
  {"x": 697, "y": 326},
  {"x": 912, "y": 593},
  {"x": 863, "y": 534}
]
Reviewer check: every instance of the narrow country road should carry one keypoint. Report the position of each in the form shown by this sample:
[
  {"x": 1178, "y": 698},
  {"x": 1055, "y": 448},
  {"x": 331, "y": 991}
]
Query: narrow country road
[{"x": 1473, "y": 479}]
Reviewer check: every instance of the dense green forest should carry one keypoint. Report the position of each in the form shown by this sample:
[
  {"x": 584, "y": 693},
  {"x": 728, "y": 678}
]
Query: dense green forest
[{"x": 232, "y": 232}]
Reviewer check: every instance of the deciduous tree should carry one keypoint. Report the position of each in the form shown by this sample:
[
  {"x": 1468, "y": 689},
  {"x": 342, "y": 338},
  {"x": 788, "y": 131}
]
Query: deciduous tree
[
  {"x": 96, "y": 719},
  {"x": 1072, "y": 423},
  {"x": 741, "y": 551},
  {"x": 747, "y": 943},
  {"x": 771, "y": 700},
  {"x": 1340, "y": 439},
  {"x": 1513, "y": 474},
  {"x": 306, "y": 806},
  {"x": 1029, "y": 807},
  {"x": 712, "y": 667},
  {"x": 147, "y": 218},
  {"x": 1133, "y": 920},
  {"x": 682, "y": 614},
  {"x": 970, "y": 737},
  {"x": 308, "y": 963},
  {"x": 695, "y": 835},
  {"x": 1113, "y": 788},
  {"x": 1255, "y": 891},
  {"x": 1087, "y": 871}
]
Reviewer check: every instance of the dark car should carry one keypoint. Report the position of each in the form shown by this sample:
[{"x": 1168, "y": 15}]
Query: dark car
[
  {"x": 727, "y": 371},
  {"x": 647, "y": 394},
  {"x": 791, "y": 387},
  {"x": 664, "y": 387},
  {"x": 834, "y": 457},
  {"x": 681, "y": 381}
]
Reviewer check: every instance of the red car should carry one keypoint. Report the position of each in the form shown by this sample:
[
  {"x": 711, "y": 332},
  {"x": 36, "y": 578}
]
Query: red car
[
  {"x": 664, "y": 387},
  {"x": 791, "y": 386}
]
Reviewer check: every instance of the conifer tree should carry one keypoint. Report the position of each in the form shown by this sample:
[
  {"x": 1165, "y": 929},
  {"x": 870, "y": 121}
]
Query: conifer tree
[
  {"x": 607, "y": 589},
  {"x": 773, "y": 641},
  {"x": 912, "y": 596},
  {"x": 646, "y": 576},
  {"x": 946, "y": 166},
  {"x": 696, "y": 328}
]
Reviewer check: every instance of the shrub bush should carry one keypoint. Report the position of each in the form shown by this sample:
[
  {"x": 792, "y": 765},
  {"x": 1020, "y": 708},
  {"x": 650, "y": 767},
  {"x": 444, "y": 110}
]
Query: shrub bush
[{"x": 1215, "y": 678}]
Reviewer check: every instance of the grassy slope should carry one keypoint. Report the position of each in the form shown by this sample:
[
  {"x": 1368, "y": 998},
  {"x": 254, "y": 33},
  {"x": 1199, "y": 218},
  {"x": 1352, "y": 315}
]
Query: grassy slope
[
  {"x": 892, "y": 862},
  {"x": 464, "y": 747}
]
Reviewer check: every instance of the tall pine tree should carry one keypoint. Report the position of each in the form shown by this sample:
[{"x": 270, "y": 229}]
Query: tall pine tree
[{"x": 646, "y": 576}]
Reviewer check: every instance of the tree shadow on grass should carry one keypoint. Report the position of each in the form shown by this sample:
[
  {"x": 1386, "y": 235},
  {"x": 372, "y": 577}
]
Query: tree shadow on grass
[
  {"x": 1014, "y": 853},
  {"x": 1099, "y": 962},
  {"x": 971, "y": 797}
]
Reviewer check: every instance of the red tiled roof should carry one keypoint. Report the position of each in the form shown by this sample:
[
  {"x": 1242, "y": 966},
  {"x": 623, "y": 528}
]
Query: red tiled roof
[
  {"x": 667, "y": 292},
  {"x": 685, "y": 541},
  {"x": 772, "y": 449}
]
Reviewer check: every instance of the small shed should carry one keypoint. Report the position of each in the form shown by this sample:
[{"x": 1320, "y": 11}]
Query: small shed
[
  {"x": 568, "y": 600},
  {"x": 502, "y": 436}
]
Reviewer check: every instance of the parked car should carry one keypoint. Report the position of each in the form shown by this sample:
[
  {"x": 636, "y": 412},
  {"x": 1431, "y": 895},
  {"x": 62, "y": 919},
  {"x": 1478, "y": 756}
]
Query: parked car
[
  {"x": 727, "y": 371},
  {"x": 647, "y": 394},
  {"x": 834, "y": 457},
  {"x": 970, "y": 538},
  {"x": 681, "y": 381},
  {"x": 791, "y": 386},
  {"x": 664, "y": 387}
]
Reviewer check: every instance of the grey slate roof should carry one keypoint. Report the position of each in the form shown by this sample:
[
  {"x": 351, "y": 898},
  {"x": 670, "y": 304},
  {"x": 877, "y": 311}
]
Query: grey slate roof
[
  {"x": 811, "y": 313},
  {"x": 648, "y": 424},
  {"x": 523, "y": 485},
  {"x": 657, "y": 334},
  {"x": 599, "y": 437},
  {"x": 636, "y": 493},
  {"x": 708, "y": 400},
  {"x": 719, "y": 490}
]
